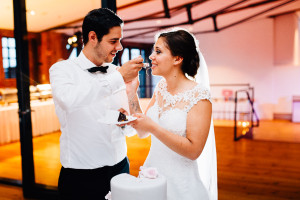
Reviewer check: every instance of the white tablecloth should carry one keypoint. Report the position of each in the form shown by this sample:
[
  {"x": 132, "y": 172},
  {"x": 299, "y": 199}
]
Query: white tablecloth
[{"x": 44, "y": 120}]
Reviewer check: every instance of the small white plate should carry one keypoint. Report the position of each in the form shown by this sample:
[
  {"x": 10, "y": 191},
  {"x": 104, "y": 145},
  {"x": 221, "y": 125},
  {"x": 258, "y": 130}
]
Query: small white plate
[{"x": 130, "y": 119}]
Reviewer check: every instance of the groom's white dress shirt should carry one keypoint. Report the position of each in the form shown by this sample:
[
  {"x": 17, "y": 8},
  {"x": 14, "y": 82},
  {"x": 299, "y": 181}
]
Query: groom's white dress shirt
[{"x": 82, "y": 98}]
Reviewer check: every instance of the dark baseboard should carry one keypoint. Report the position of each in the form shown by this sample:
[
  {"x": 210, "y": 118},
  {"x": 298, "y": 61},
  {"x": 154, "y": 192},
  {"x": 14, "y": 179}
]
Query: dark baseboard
[
  {"x": 282, "y": 116},
  {"x": 9, "y": 181}
]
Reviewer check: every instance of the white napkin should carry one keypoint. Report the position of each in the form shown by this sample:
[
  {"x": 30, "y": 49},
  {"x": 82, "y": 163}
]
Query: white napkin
[{"x": 109, "y": 117}]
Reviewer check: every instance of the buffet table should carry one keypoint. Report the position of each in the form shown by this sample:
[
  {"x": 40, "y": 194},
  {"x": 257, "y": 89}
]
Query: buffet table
[{"x": 44, "y": 120}]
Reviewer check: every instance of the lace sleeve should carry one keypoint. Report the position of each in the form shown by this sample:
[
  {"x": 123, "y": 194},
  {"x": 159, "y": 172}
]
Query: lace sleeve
[
  {"x": 161, "y": 85},
  {"x": 196, "y": 96}
]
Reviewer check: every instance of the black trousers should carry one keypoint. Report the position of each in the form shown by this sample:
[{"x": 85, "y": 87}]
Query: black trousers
[{"x": 86, "y": 184}]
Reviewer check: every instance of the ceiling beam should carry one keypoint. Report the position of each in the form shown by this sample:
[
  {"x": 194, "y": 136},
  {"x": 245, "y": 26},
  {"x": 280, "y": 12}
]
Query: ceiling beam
[
  {"x": 132, "y": 4},
  {"x": 159, "y": 14},
  {"x": 214, "y": 16},
  {"x": 222, "y": 10},
  {"x": 153, "y": 16},
  {"x": 67, "y": 25},
  {"x": 110, "y": 4},
  {"x": 215, "y": 23},
  {"x": 154, "y": 29},
  {"x": 250, "y": 6},
  {"x": 284, "y": 13},
  {"x": 166, "y": 9},
  {"x": 257, "y": 14},
  {"x": 188, "y": 8},
  {"x": 195, "y": 20},
  {"x": 189, "y": 14}
]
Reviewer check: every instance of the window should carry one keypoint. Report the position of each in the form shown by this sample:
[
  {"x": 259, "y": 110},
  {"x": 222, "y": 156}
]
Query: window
[
  {"x": 9, "y": 57},
  {"x": 73, "y": 53},
  {"x": 125, "y": 56},
  {"x": 145, "y": 89}
]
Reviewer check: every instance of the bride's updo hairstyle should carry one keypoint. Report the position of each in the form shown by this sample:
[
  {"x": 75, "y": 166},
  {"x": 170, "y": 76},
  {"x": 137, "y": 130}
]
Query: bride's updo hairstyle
[{"x": 183, "y": 44}]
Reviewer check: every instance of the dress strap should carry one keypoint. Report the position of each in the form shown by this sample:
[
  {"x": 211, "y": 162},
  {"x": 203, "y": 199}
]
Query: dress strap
[
  {"x": 160, "y": 87},
  {"x": 196, "y": 96}
]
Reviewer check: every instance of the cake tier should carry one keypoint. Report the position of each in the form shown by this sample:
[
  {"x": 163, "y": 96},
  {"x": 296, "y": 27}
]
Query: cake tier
[{"x": 128, "y": 187}]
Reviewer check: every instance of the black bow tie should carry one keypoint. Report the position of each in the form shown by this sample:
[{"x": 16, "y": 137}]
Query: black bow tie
[{"x": 102, "y": 69}]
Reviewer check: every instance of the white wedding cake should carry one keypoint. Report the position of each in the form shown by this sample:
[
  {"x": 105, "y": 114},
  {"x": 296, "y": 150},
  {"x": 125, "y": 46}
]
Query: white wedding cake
[{"x": 128, "y": 187}]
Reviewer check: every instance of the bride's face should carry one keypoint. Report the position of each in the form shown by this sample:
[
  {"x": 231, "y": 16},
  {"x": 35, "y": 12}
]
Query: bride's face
[{"x": 162, "y": 59}]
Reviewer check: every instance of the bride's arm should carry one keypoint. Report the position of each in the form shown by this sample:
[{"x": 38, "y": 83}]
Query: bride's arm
[
  {"x": 151, "y": 103},
  {"x": 134, "y": 104},
  {"x": 145, "y": 133},
  {"x": 198, "y": 124},
  {"x": 133, "y": 99}
]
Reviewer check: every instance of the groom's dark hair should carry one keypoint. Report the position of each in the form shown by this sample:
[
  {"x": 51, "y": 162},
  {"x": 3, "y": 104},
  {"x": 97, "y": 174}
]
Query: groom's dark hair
[{"x": 100, "y": 21}]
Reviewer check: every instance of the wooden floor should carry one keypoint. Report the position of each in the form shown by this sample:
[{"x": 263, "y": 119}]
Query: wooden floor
[
  {"x": 253, "y": 169},
  {"x": 247, "y": 169},
  {"x": 270, "y": 130}
]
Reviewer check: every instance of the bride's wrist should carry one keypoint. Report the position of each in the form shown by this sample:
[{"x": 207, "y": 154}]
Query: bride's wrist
[
  {"x": 153, "y": 128},
  {"x": 132, "y": 95}
]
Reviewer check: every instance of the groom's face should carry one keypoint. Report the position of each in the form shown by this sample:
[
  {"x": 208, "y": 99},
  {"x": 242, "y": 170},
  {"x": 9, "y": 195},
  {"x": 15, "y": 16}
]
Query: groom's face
[{"x": 106, "y": 49}]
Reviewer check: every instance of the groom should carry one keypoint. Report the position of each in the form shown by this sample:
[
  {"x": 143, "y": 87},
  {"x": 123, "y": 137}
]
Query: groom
[{"x": 92, "y": 152}]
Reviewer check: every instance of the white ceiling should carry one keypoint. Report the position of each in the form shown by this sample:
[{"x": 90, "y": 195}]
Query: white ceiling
[{"x": 59, "y": 13}]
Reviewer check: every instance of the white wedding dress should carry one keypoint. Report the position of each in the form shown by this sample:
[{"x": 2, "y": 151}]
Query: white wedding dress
[{"x": 186, "y": 179}]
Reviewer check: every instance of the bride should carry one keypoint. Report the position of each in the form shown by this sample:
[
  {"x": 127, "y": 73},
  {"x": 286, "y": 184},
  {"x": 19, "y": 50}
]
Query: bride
[{"x": 179, "y": 118}]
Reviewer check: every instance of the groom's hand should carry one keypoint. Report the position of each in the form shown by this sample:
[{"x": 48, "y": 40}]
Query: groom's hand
[
  {"x": 122, "y": 110},
  {"x": 130, "y": 69}
]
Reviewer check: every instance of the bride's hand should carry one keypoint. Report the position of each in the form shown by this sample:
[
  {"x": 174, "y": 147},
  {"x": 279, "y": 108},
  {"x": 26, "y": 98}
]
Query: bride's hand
[{"x": 143, "y": 124}]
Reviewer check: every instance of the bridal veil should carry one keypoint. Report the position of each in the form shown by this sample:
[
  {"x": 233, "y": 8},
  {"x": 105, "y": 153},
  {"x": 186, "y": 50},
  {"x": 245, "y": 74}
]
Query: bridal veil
[{"x": 207, "y": 161}]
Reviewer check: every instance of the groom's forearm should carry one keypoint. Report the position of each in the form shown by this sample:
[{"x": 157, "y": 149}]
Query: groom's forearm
[{"x": 134, "y": 104}]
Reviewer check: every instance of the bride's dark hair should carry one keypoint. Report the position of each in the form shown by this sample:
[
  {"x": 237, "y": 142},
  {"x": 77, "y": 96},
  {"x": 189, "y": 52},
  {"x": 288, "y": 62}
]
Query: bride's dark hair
[{"x": 182, "y": 43}]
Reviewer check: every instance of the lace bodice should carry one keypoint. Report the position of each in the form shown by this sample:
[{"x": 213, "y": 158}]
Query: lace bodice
[
  {"x": 168, "y": 105},
  {"x": 184, "y": 100},
  {"x": 170, "y": 112}
]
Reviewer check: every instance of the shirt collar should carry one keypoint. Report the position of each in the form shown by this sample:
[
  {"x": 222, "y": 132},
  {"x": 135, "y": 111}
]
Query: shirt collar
[{"x": 84, "y": 62}]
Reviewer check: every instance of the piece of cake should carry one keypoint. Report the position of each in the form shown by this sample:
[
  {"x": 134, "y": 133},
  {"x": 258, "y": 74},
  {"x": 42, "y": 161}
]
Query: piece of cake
[
  {"x": 122, "y": 117},
  {"x": 128, "y": 187}
]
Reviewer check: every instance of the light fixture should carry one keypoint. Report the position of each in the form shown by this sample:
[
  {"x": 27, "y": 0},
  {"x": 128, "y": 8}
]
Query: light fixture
[
  {"x": 74, "y": 40},
  {"x": 70, "y": 40},
  {"x": 32, "y": 12},
  {"x": 244, "y": 126}
]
